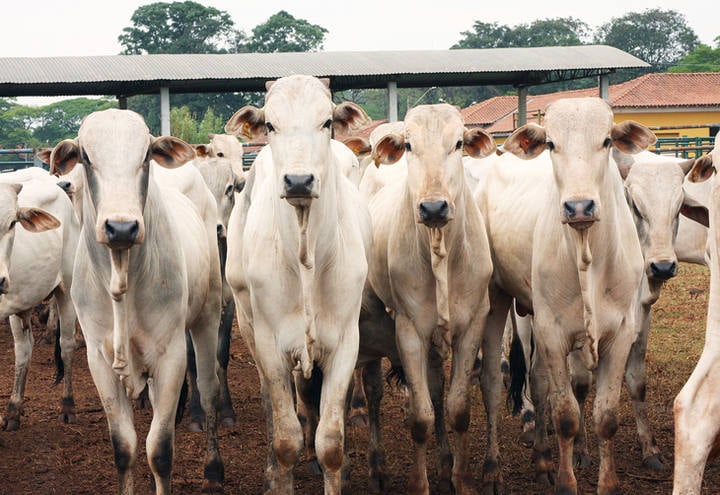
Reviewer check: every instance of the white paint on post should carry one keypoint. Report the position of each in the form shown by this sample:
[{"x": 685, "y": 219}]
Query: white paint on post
[
  {"x": 392, "y": 101},
  {"x": 165, "y": 111}
]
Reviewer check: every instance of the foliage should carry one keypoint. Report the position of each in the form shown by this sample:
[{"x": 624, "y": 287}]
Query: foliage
[
  {"x": 185, "y": 125},
  {"x": 659, "y": 37},
  {"x": 559, "y": 31},
  {"x": 61, "y": 120},
  {"x": 702, "y": 59},
  {"x": 284, "y": 33},
  {"x": 180, "y": 27}
]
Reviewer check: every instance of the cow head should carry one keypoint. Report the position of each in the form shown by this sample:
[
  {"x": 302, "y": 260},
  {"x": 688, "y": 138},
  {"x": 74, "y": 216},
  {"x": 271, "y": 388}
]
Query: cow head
[
  {"x": 298, "y": 118},
  {"x": 579, "y": 133},
  {"x": 703, "y": 169},
  {"x": 432, "y": 141},
  {"x": 32, "y": 220},
  {"x": 223, "y": 184},
  {"x": 655, "y": 195},
  {"x": 115, "y": 148}
]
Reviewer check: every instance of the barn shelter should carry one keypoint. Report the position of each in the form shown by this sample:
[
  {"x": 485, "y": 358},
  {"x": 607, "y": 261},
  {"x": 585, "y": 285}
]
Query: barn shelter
[{"x": 128, "y": 75}]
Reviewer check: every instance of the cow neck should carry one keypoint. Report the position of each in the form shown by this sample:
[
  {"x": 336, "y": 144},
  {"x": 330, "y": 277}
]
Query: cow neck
[{"x": 712, "y": 331}]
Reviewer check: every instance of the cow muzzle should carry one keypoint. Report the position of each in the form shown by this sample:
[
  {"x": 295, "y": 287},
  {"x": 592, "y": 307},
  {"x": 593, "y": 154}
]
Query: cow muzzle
[
  {"x": 434, "y": 214},
  {"x": 121, "y": 234},
  {"x": 299, "y": 189},
  {"x": 663, "y": 270},
  {"x": 580, "y": 214}
]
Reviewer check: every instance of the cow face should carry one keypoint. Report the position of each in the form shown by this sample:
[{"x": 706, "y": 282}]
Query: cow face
[
  {"x": 115, "y": 147},
  {"x": 32, "y": 220},
  {"x": 655, "y": 195},
  {"x": 298, "y": 118},
  {"x": 579, "y": 134},
  {"x": 224, "y": 184},
  {"x": 432, "y": 142}
]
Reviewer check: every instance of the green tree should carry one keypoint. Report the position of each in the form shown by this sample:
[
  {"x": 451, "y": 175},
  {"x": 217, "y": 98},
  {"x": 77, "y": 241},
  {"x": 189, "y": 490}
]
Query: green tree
[
  {"x": 61, "y": 120},
  {"x": 658, "y": 37},
  {"x": 16, "y": 124},
  {"x": 185, "y": 125},
  {"x": 180, "y": 27},
  {"x": 702, "y": 59},
  {"x": 559, "y": 31},
  {"x": 284, "y": 33}
]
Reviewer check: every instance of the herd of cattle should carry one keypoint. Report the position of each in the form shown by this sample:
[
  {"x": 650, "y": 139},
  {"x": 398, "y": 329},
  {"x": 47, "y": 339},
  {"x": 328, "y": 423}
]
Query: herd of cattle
[{"x": 420, "y": 243}]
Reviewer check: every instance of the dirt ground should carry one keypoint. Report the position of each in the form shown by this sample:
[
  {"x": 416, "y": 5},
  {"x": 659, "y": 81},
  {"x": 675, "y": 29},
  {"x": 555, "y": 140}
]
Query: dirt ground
[{"x": 48, "y": 457}]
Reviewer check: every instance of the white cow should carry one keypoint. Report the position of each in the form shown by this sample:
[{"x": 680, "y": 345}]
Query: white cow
[
  {"x": 430, "y": 266},
  {"x": 38, "y": 238},
  {"x": 147, "y": 269},
  {"x": 697, "y": 425},
  {"x": 297, "y": 244},
  {"x": 564, "y": 245}
]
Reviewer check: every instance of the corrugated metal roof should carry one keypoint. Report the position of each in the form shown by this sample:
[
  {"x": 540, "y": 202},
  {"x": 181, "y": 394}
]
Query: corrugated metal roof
[{"x": 191, "y": 73}]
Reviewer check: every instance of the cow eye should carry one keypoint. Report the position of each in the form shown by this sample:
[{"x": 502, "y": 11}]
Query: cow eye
[
  {"x": 229, "y": 190},
  {"x": 459, "y": 145},
  {"x": 12, "y": 224},
  {"x": 407, "y": 146},
  {"x": 550, "y": 145},
  {"x": 607, "y": 143},
  {"x": 85, "y": 158},
  {"x": 220, "y": 154},
  {"x": 269, "y": 127},
  {"x": 327, "y": 124}
]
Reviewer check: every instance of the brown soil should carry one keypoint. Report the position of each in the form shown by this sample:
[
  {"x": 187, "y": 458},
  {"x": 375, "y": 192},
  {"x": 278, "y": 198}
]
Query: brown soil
[{"x": 48, "y": 457}]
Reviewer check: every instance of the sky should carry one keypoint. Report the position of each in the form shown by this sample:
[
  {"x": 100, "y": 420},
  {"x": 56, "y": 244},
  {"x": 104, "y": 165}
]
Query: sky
[{"x": 50, "y": 28}]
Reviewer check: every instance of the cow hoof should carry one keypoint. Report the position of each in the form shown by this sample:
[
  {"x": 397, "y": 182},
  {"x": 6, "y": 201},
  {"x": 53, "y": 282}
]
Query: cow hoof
[
  {"x": 314, "y": 467},
  {"x": 195, "y": 426},
  {"x": 11, "y": 424},
  {"x": 211, "y": 487},
  {"x": 228, "y": 421},
  {"x": 581, "y": 460},
  {"x": 379, "y": 483},
  {"x": 546, "y": 479},
  {"x": 492, "y": 488},
  {"x": 444, "y": 485},
  {"x": 527, "y": 438},
  {"x": 654, "y": 463},
  {"x": 67, "y": 417},
  {"x": 361, "y": 420}
]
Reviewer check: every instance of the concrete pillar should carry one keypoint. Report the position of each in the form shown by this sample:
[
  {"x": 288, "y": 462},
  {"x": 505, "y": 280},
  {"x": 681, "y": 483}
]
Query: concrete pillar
[
  {"x": 604, "y": 87},
  {"x": 122, "y": 102},
  {"x": 522, "y": 106},
  {"x": 165, "y": 111},
  {"x": 392, "y": 102}
]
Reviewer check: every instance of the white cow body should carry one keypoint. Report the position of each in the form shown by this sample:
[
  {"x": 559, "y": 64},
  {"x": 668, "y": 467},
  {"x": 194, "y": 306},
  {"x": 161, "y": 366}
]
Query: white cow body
[
  {"x": 33, "y": 265},
  {"x": 297, "y": 264},
  {"x": 430, "y": 266},
  {"x": 697, "y": 425},
  {"x": 564, "y": 245},
  {"x": 147, "y": 269}
]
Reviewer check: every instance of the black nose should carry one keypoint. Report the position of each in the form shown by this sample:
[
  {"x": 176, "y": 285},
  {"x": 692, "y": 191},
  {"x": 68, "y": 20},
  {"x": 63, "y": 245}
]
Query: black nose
[
  {"x": 299, "y": 185},
  {"x": 220, "y": 229},
  {"x": 121, "y": 234},
  {"x": 664, "y": 270},
  {"x": 64, "y": 185},
  {"x": 434, "y": 211},
  {"x": 583, "y": 208},
  {"x": 239, "y": 186}
]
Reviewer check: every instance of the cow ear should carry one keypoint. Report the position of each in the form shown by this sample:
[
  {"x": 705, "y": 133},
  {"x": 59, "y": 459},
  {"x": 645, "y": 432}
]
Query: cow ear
[
  {"x": 348, "y": 116},
  {"x": 694, "y": 210},
  {"x": 526, "y": 142},
  {"x": 631, "y": 137},
  {"x": 171, "y": 152},
  {"x": 478, "y": 143},
  {"x": 238, "y": 183},
  {"x": 702, "y": 170},
  {"x": 389, "y": 149},
  {"x": 64, "y": 156},
  {"x": 358, "y": 145},
  {"x": 36, "y": 219},
  {"x": 249, "y": 121},
  {"x": 202, "y": 150},
  {"x": 43, "y": 155},
  {"x": 687, "y": 165}
]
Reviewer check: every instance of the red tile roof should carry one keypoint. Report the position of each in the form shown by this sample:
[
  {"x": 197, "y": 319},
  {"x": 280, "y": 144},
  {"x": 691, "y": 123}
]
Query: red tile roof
[{"x": 659, "y": 90}]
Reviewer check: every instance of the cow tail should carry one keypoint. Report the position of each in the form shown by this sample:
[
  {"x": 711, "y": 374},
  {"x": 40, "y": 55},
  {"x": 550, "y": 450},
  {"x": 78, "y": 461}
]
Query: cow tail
[
  {"x": 518, "y": 372},
  {"x": 59, "y": 365}
]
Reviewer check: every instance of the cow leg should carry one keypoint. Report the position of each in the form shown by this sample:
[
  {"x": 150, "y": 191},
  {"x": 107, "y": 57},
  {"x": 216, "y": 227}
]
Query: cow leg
[
  {"x": 609, "y": 383},
  {"x": 636, "y": 381},
  {"x": 696, "y": 431},
  {"x": 308, "y": 412},
  {"x": 491, "y": 383},
  {"x": 204, "y": 339},
  {"x": 67, "y": 318},
  {"x": 358, "y": 413},
  {"x": 542, "y": 455},
  {"x": 372, "y": 380},
  {"x": 23, "y": 338},
  {"x": 414, "y": 351},
  {"x": 523, "y": 326},
  {"x": 329, "y": 440},
  {"x": 195, "y": 410},
  {"x": 581, "y": 382},
  {"x": 119, "y": 414},
  {"x": 225, "y": 409},
  {"x": 436, "y": 386}
]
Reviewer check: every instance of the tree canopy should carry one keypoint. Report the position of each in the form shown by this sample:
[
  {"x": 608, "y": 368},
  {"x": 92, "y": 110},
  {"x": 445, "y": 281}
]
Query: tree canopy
[
  {"x": 284, "y": 33},
  {"x": 560, "y": 31},
  {"x": 702, "y": 59}
]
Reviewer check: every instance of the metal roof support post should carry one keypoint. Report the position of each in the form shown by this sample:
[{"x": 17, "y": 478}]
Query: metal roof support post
[
  {"x": 604, "y": 87},
  {"x": 122, "y": 102},
  {"x": 164, "y": 111},
  {"x": 522, "y": 106},
  {"x": 392, "y": 101}
]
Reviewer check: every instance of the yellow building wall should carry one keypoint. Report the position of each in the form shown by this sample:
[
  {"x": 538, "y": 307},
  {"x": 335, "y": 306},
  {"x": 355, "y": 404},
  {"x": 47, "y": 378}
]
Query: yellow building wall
[{"x": 665, "y": 119}]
